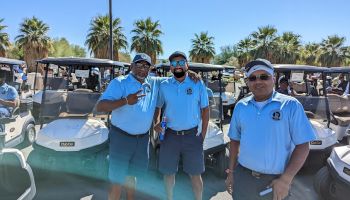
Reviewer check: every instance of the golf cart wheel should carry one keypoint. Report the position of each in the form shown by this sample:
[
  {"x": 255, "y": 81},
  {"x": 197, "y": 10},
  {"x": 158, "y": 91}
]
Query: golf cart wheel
[
  {"x": 29, "y": 134},
  {"x": 222, "y": 160},
  {"x": 322, "y": 182}
]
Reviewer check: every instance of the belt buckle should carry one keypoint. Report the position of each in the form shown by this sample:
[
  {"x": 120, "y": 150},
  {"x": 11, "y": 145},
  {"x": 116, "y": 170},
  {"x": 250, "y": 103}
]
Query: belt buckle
[
  {"x": 256, "y": 174},
  {"x": 180, "y": 132}
]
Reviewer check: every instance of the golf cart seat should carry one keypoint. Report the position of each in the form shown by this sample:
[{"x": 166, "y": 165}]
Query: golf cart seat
[
  {"x": 340, "y": 107},
  {"x": 83, "y": 90},
  {"x": 57, "y": 83}
]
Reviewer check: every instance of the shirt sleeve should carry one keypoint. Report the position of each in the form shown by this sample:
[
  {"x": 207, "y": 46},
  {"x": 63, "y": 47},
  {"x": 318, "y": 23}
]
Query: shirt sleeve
[
  {"x": 234, "y": 131},
  {"x": 113, "y": 91},
  {"x": 204, "y": 100},
  {"x": 12, "y": 94},
  {"x": 300, "y": 127}
]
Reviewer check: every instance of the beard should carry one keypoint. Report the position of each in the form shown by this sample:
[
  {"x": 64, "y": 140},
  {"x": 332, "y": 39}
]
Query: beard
[{"x": 179, "y": 74}]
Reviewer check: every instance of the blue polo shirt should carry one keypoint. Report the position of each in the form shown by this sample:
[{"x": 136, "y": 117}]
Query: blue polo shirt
[
  {"x": 183, "y": 102},
  {"x": 8, "y": 93},
  {"x": 268, "y": 135},
  {"x": 133, "y": 119}
]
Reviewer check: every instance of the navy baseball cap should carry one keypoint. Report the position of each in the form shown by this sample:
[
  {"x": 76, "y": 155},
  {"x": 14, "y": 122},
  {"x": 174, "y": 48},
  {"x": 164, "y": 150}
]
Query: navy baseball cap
[
  {"x": 142, "y": 57},
  {"x": 258, "y": 64},
  {"x": 176, "y": 54}
]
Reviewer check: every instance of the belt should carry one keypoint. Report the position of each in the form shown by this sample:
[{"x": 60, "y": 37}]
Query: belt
[
  {"x": 255, "y": 173},
  {"x": 129, "y": 135},
  {"x": 183, "y": 132}
]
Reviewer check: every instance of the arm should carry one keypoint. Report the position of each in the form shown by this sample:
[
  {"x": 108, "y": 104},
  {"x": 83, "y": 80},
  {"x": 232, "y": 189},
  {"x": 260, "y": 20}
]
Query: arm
[
  {"x": 109, "y": 105},
  {"x": 156, "y": 120},
  {"x": 234, "y": 149},
  {"x": 205, "y": 121},
  {"x": 9, "y": 103}
]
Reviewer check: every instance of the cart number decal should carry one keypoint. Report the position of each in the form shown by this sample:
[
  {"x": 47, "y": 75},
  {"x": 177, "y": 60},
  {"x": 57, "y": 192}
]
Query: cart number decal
[
  {"x": 346, "y": 171},
  {"x": 67, "y": 144},
  {"x": 316, "y": 142}
]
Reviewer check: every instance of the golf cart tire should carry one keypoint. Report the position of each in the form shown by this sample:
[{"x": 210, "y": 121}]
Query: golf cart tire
[
  {"x": 322, "y": 182},
  {"x": 222, "y": 160},
  {"x": 27, "y": 140}
]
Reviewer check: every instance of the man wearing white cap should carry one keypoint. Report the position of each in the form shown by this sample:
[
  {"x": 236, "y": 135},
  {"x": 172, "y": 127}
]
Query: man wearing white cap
[{"x": 270, "y": 137}]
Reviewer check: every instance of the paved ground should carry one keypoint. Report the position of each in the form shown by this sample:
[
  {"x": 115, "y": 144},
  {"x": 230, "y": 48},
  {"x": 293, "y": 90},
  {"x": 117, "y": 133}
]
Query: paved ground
[{"x": 63, "y": 186}]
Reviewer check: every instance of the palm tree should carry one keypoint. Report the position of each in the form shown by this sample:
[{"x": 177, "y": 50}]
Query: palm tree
[
  {"x": 202, "y": 48},
  {"x": 332, "y": 51},
  {"x": 244, "y": 48},
  {"x": 264, "y": 42},
  {"x": 309, "y": 54},
  {"x": 33, "y": 40},
  {"x": 146, "y": 38},
  {"x": 4, "y": 40},
  {"x": 98, "y": 37},
  {"x": 287, "y": 50}
]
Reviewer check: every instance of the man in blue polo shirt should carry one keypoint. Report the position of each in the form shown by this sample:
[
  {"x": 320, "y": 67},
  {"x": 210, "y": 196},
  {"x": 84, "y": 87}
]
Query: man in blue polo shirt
[
  {"x": 185, "y": 104},
  {"x": 270, "y": 137},
  {"x": 8, "y": 98}
]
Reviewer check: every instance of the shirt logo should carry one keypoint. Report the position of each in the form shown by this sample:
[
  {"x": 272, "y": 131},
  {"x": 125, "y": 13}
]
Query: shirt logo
[
  {"x": 276, "y": 115},
  {"x": 189, "y": 91}
]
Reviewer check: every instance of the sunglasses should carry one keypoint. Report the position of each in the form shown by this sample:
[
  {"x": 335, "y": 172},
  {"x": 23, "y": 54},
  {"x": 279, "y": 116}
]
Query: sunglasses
[
  {"x": 263, "y": 77},
  {"x": 143, "y": 66},
  {"x": 181, "y": 63}
]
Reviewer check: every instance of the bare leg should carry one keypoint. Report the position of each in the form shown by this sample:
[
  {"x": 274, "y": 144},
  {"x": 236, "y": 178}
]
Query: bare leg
[
  {"x": 130, "y": 185},
  {"x": 115, "y": 192},
  {"x": 169, "y": 181},
  {"x": 197, "y": 186}
]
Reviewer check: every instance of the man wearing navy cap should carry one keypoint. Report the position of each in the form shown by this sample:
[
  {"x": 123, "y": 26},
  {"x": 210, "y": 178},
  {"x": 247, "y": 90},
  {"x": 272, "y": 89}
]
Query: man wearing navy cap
[
  {"x": 185, "y": 105},
  {"x": 270, "y": 137}
]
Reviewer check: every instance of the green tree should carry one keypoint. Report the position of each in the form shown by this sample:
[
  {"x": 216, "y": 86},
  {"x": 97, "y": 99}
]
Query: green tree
[
  {"x": 332, "y": 51},
  {"x": 244, "y": 51},
  {"x": 33, "y": 40},
  {"x": 4, "y": 40},
  {"x": 98, "y": 37},
  {"x": 309, "y": 54},
  {"x": 202, "y": 48},
  {"x": 264, "y": 42},
  {"x": 287, "y": 51},
  {"x": 226, "y": 53},
  {"x": 62, "y": 48},
  {"x": 146, "y": 38},
  {"x": 15, "y": 52}
]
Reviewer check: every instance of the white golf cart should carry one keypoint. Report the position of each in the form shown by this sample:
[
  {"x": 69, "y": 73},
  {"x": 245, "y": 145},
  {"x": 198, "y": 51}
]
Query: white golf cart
[
  {"x": 22, "y": 129},
  {"x": 74, "y": 138},
  {"x": 16, "y": 176},
  {"x": 332, "y": 182},
  {"x": 316, "y": 108},
  {"x": 340, "y": 107},
  {"x": 215, "y": 144}
]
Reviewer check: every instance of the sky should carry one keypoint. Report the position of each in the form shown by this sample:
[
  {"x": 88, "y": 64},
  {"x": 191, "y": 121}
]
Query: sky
[{"x": 228, "y": 21}]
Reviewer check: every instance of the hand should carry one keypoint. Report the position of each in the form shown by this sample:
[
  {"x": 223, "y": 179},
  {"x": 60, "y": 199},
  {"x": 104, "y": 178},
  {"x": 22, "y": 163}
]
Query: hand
[
  {"x": 281, "y": 187},
  {"x": 133, "y": 98},
  {"x": 194, "y": 76},
  {"x": 157, "y": 128},
  {"x": 229, "y": 183}
]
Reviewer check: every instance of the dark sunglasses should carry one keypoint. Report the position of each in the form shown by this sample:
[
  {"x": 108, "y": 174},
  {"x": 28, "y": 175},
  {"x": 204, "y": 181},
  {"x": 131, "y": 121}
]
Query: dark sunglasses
[
  {"x": 180, "y": 63},
  {"x": 263, "y": 77},
  {"x": 144, "y": 66}
]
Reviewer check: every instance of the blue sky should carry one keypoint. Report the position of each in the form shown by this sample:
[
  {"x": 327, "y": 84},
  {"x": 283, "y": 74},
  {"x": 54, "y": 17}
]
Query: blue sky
[{"x": 228, "y": 21}]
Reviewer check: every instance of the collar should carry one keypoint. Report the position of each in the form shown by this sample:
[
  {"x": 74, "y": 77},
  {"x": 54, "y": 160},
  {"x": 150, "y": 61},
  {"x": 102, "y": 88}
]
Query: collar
[
  {"x": 173, "y": 80},
  {"x": 131, "y": 78},
  {"x": 274, "y": 97}
]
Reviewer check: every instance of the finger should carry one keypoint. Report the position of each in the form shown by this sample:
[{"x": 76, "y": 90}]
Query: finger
[
  {"x": 274, "y": 194},
  {"x": 141, "y": 95}
]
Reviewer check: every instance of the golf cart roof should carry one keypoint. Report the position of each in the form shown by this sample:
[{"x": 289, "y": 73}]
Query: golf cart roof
[
  {"x": 307, "y": 68},
  {"x": 339, "y": 69},
  {"x": 8, "y": 61},
  {"x": 74, "y": 61},
  {"x": 195, "y": 67}
]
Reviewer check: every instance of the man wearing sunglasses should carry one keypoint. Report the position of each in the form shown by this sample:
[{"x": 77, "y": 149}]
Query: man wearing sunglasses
[
  {"x": 185, "y": 105},
  {"x": 270, "y": 137}
]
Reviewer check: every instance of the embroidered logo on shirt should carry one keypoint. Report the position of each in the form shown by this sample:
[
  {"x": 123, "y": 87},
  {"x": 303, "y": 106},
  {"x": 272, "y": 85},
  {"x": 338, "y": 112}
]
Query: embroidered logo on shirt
[
  {"x": 189, "y": 91},
  {"x": 276, "y": 115}
]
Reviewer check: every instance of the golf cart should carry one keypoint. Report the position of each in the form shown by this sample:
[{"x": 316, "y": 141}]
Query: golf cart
[
  {"x": 332, "y": 182},
  {"x": 340, "y": 107},
  {"x": 75, "y": 137},
  {"x": 17, "y": 180},
  {"x": 22, "y": 129},
  {"x": 316, "y": 108},
  {"x": 215, "y": 144}
]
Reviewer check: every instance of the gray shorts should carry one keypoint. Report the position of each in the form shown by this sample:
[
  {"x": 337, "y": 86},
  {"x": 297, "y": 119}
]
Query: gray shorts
[
  {"x": 128, "y": 155},
  {"x": 189, "y": 147}
]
